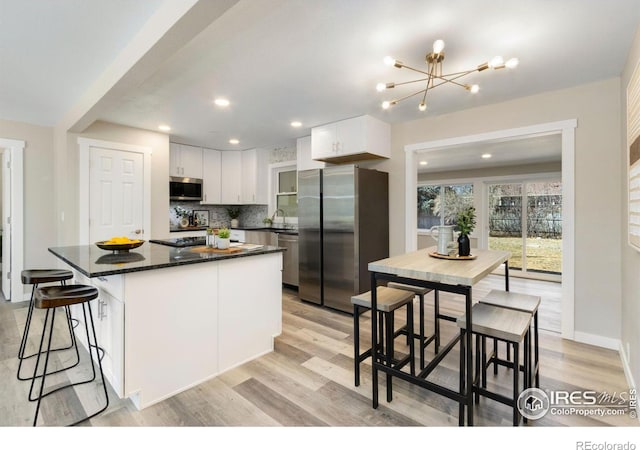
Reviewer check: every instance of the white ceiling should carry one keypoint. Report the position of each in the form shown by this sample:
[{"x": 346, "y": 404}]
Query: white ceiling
[
  {"x": 533, "y": 149},
  {"x": 315, "y": 61}
]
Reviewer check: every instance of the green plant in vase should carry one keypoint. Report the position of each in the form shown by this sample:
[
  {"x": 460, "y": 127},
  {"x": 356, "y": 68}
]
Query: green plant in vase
[
  {"x": 466, "y": 225},
  {"x": 223, "y": 240},
  {"x": 234, "y": 213}
]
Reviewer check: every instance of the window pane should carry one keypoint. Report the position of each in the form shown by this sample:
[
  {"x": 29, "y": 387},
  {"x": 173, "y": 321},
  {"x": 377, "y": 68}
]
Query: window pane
[
  {"x": 544, "y": 227},
  {"x": 426, "y": 202},
  {"x": 505, "y": 221},
  {"x": 288, "y": 203},
  {"x": 440, "y": 205},
  {"x": 288, "y": 181},
  {"x": 457, "y": 197}
]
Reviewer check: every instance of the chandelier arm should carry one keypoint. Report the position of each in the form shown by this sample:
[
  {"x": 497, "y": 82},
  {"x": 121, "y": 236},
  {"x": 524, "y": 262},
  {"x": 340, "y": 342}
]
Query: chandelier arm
[
  {"x": 409, "y": 82},
  {"x": 415, "y": 70},
  {"x": 444, "y": 81},
  {"x": 408, "y": 96},
  {"x": 460, "y": 74}
]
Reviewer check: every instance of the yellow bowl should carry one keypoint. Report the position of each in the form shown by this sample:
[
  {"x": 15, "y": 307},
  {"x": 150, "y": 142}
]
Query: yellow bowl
[{"x": 119, "y": 247}]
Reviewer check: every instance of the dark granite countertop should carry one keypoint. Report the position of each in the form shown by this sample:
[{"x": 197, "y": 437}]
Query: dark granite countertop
[
  {"x": 278, "y": 230},
  {"x": 94, "y": 262}
]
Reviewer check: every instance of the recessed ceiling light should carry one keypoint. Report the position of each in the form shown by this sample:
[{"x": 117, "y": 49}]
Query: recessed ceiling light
[
  {"x": 164, "y": 128},
  {"x": 486, "y": 155},
  {"x": 234, "y": 141},
  {"x": 296, "y": 124},
  {"x": 423, "y": 163},
  {"x": 221, "y": 102}
]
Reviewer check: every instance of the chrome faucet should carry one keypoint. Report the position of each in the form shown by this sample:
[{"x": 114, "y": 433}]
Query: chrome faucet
[{"x": 284, "y": 216}]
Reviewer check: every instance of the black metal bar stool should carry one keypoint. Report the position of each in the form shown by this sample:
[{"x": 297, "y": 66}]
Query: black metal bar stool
[
  {"x": 388, "y": 300},
  {"x": 508, "y": 326},
  {"x": 424, "y": 340},
  {"x": 519, "y": 302},
  {"x": 36, "y": 277},
  {"x": 49, "y": 299}
]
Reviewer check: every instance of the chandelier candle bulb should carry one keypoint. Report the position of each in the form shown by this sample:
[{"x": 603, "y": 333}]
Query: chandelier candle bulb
[{"x": 438, "y": 46}]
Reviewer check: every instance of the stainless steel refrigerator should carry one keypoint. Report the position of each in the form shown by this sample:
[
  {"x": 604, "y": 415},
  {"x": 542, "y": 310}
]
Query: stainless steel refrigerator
[{"x": 343, "y": 224}]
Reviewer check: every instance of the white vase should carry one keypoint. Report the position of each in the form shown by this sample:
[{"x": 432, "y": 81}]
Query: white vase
[
  {"x": 234, "y": 223},
  {"x": 222, "y": 243}
]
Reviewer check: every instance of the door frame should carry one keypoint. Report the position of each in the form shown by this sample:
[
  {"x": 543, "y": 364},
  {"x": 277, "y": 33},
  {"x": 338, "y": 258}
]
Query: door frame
[
  {"x": 16, "y": 186},
  {"x": 85, "y": 145},
  {"x": 567, "y": 129}
]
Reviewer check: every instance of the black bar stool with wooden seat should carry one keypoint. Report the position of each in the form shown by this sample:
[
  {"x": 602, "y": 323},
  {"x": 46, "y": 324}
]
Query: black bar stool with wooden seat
[
  {"x": 49, "y": 299},
  {"x": 519, "y": 302},
  {"x": 424, "y": 340},
  {"x": 36, "y": 277},
  {"x": 388, "y": 300},
  {"x": 506, "y": 325}
]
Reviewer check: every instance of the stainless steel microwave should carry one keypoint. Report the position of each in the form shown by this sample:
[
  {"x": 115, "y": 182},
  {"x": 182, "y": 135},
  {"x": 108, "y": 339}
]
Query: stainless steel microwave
[{"x": 185, "y": 188}]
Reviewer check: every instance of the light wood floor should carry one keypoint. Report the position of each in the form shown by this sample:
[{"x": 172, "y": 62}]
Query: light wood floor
[{"x": 308, "y": 381}]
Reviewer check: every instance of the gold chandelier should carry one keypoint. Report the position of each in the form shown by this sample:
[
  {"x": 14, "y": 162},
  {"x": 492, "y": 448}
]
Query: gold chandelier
[{"x": 434, "y": 76}]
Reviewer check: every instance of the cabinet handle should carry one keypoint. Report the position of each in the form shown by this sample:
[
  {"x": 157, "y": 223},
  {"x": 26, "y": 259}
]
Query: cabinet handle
[
  {"x": 103, "y": 279},
  {"x": 104, "y": 309},
  {"x": 238, "y": 198}
]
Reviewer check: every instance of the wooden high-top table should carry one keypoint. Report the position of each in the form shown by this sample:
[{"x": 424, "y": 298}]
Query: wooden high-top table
[{"x": 458, "y": 277}]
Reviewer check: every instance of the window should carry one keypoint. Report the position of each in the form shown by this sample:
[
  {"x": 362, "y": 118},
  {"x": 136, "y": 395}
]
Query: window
[
  {"x": 287, "y": 192},
  {"x": 440, "y": 204}
]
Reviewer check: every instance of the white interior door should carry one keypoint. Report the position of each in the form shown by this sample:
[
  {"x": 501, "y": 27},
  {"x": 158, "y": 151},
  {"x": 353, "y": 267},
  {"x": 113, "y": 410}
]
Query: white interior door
[
  {"x": 6, "y": 225},
  {"x": 116, "y": 200}
]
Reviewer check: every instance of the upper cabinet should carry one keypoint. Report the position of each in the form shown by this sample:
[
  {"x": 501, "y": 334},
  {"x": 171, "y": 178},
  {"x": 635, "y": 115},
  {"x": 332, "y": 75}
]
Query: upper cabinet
[
  {"x": 303, "y": 150},
  {"x": 185, "y": 161},
  {"x": 211, "y": 183},
  {"x": 254, "y": 176},
  {"x": 350, "y": 140},
  {"x": 231, "y": 178}
]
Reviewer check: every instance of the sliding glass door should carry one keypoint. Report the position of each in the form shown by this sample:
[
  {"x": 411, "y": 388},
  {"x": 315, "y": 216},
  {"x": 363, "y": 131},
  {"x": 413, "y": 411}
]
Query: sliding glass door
[{"x": 526, "y": 219}]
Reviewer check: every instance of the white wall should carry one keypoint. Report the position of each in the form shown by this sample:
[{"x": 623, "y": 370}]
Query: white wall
[
  {"x": 158, "y": 142},
  {"x": 596, "y": 107},
  {"x": 630, "y": 274},
  {"x": 39, "y": 223}
]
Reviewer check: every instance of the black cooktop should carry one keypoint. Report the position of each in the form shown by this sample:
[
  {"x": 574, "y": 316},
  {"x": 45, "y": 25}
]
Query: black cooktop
[{"x": 181, "y": 242}]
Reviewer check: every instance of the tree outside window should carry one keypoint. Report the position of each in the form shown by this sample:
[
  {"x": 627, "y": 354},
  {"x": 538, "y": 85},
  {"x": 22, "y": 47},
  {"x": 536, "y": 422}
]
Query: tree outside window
[{"x": 440, "y": 204}]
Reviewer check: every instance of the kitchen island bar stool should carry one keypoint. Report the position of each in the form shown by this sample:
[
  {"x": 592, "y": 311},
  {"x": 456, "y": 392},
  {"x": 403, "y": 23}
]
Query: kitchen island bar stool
[
  {"x": 505, "y": 325},
  {"x": 35, "y": 277},
  {"x": 424, "y": 340},
  {"x": 49, "y": 299},
  {"x": 388, "y": 301},
  {"x": 519, "y": 302}
]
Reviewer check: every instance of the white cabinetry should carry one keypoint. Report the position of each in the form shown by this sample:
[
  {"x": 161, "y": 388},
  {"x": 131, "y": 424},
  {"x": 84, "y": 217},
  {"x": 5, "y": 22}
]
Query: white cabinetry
[
  {"x": 355, "y": 139},
  {"x": 254, "y": 177},
  {"x": 231, "y": 178},
  {"x": 185, "y": 161},
  {"x": 303, "y": 151},
  {"x": 250, "y": 315},
  {"x": 244, "y": 177},
  {"x": 108, "y": 317},
  {"x": 212, "y": 170}
]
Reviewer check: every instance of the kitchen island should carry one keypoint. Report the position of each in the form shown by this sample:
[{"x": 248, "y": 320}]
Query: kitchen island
[{"x": 169, "y": 318}]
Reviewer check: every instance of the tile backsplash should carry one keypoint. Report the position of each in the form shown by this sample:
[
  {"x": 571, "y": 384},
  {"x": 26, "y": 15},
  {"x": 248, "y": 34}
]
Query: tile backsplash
[{"x": 250, "y": 215}]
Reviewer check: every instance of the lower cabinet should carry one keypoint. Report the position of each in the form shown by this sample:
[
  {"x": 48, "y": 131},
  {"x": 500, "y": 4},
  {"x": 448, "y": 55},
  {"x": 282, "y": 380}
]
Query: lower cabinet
[{"x": 108, "y": 319}]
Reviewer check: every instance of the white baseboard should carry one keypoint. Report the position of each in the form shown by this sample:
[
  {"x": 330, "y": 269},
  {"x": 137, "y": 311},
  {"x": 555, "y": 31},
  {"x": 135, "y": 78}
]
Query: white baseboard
[{"x": 598, "y": 341}]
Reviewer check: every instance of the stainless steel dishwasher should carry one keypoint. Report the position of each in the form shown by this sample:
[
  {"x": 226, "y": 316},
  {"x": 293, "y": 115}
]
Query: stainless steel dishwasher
[{"x": 289, "y": 258}]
